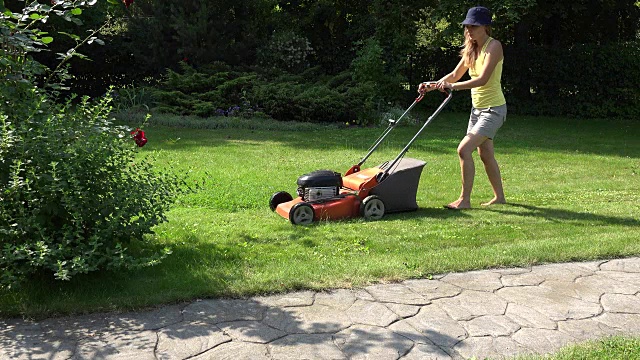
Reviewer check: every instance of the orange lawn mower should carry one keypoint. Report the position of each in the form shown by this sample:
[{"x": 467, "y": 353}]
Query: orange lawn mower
[{"x": 389, "y": 187}]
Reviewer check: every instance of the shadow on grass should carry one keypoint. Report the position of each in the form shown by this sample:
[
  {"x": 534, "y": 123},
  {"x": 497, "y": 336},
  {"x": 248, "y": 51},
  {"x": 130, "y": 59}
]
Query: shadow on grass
[
  {"x": 430, "y": 212},
  {"x": 519, "y": 133},
  {"x": 515, "y": 209},
  {"x": 42, "y": 296},
  {"x": 321, "y": 139},
  {"x": 560, "y": 215}
]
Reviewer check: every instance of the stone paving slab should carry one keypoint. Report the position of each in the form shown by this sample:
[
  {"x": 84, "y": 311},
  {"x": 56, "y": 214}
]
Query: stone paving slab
[
  {"x": 119, "y": 345},
  {"x": 490, "y": 347},
  {"x": 183, "y": 340},
  {"x": 497, "y": 313}
]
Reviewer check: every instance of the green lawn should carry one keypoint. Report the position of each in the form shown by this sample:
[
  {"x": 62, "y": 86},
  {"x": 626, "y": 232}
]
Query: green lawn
[
  {"x": 613, "y": 348},
  {"x": 573, "y": 188}
]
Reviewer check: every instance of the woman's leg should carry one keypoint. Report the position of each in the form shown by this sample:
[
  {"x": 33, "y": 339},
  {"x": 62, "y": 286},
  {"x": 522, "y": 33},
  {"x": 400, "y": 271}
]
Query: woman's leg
[
  {"x": 467, "y": 169},
  {"x": 487, "y": 155}
]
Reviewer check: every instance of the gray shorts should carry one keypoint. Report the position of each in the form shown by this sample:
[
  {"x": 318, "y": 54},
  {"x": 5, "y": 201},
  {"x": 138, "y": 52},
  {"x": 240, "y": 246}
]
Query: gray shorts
[{"x": 487, "y": 121}]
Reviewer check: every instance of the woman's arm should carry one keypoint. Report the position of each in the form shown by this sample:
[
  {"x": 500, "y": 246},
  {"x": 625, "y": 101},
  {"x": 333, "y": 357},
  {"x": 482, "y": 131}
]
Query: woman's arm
[
  {"x": 453, "y": 76},
  {"x": 493, "y": 55}
]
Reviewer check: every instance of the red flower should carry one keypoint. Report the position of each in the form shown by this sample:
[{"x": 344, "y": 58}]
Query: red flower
[
  {"x": 127, "y": 2},
  {"x": 138, "y": 137}
]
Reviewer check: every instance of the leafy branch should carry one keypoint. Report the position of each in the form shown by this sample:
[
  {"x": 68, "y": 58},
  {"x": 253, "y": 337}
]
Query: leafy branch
[{"x": 65, "y": 57}]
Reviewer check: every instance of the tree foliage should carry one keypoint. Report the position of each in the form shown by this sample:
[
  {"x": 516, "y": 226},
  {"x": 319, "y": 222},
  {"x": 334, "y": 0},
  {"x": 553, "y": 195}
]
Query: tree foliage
[{"x": 419, "y": 40}]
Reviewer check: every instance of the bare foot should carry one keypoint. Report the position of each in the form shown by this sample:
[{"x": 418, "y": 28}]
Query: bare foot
[
  {"x": 459, "y": 205},
  {"x": 494, "y": 201}
]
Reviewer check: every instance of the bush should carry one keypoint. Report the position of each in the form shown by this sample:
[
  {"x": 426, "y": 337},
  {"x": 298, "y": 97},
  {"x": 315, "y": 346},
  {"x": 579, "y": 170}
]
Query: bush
[
  {"x": 307, "y": 97},
  {"x": 132, "y": 97},
  {"x": 301, "y": 101},
  {"x": 222, "y": 122},
  {"x": 206, "y": 91},
  {"x": 74, "y": 197}
]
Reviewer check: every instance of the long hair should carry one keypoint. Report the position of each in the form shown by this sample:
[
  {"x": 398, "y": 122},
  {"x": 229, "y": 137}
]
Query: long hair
[{"x": 470, "y": 51}]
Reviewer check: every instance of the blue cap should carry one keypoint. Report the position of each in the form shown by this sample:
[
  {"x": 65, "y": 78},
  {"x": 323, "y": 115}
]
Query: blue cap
[{"x": 478, "y": 15}]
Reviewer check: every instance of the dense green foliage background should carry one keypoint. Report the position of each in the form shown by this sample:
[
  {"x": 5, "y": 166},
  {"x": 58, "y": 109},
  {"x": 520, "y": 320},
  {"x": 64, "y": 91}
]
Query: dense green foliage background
[{"x": 574, "y": 58}]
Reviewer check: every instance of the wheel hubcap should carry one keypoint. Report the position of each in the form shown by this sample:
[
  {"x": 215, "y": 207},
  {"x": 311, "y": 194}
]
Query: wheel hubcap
[
  {"x": 303, "y": 215},
  {"x": 374, "y": 209}
]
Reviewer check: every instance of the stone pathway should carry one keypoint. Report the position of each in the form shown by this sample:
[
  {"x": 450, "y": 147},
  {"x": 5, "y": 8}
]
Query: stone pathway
[{"x": 491, "y": 313}]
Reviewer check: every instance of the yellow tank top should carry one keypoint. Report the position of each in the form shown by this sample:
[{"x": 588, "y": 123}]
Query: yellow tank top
[{"x": 490, "y": 94}]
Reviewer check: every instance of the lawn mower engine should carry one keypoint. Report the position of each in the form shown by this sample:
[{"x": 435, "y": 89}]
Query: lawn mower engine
[{"x": 318, "y": 185}]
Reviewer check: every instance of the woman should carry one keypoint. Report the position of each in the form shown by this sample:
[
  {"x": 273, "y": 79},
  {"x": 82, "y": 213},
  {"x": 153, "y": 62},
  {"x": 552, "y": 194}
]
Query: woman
[{"x": 482, "y": 56}]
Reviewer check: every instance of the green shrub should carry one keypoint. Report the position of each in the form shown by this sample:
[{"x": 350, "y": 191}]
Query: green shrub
[
  {"x": 134, "y": 97},
  {"x": 307, "y": 97},
  {"x": 300, "y": 101},
  {"x": 74, "y": 196},
  {"x": 257, "y": 122},
  {"x": 209, "y": 91}
]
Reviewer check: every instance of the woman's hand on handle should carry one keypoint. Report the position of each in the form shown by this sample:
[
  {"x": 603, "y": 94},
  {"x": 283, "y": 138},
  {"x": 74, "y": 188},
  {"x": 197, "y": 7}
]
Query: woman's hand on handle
[
  {"x": 442, "y": 85},
  {"x": 426, "y": 86}
]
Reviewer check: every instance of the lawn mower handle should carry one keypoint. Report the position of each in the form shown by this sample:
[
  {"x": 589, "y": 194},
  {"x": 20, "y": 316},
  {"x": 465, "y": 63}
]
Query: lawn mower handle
[
  {"x": 383, "y": 175},
  {"x": 391, "y": 126}
]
